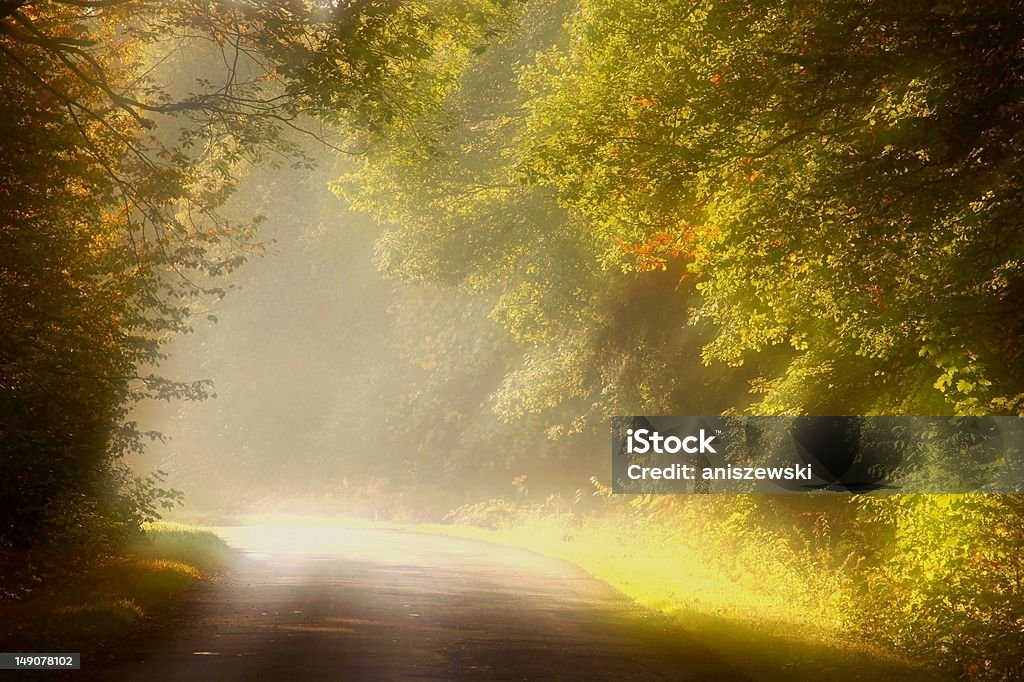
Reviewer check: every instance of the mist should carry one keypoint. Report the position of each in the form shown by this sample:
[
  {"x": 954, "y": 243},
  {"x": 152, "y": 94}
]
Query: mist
[{"x": 338, "y": 390}]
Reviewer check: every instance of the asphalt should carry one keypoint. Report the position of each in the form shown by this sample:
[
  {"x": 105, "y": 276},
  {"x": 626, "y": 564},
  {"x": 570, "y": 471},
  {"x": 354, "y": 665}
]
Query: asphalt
[{"x": 332, "y": 604}]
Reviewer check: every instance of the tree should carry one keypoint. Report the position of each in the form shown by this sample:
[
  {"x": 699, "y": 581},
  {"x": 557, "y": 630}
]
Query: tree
[{"x": 840, "y": 179}]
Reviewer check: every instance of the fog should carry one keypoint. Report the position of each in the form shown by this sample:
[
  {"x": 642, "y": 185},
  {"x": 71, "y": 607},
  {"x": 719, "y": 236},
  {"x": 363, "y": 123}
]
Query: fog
[{"x": 336, "y": 389}]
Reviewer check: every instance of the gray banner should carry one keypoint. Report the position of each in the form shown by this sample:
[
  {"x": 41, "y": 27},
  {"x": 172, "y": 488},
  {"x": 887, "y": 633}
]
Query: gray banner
[
  {"x": 817, "y": 455},
  {"x": 33, "y": 661}
]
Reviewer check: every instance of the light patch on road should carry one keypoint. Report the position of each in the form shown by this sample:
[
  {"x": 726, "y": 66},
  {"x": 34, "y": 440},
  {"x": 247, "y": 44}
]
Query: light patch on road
[{"x": 268, "y": 541}]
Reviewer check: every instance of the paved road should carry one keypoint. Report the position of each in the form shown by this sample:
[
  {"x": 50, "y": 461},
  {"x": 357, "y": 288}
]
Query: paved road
[{"x": 329, "y": 604}]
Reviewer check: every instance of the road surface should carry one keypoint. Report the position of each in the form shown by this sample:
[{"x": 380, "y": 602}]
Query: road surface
[{"x": 332, "y": 604}]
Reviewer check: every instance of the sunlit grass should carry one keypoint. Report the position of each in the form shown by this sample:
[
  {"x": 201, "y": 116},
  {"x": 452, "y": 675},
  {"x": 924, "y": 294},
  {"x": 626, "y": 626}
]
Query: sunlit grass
[
  {"x": 110, "y": 599},
  {"x": 772, "y": 622},
  {"x": 668, "y": 577},
  {"x": 195, "y": 547}
]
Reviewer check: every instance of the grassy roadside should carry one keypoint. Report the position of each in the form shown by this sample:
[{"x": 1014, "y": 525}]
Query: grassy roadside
[
  {"x": 104, "y": 605},
  {"x": 752, "y": 625}
]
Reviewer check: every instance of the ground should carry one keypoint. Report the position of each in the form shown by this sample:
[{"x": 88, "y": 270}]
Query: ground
[{"x": 392, "y": 605}]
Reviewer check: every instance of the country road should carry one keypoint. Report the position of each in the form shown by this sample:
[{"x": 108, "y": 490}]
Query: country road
[{"x": 331, "y": 604}]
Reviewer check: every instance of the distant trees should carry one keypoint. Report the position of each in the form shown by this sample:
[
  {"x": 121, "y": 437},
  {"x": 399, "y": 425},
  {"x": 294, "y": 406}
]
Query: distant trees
[{"x": 832, "y": 190}]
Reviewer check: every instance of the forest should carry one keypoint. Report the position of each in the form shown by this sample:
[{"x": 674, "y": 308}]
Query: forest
[{"x": 253, "y": 253}]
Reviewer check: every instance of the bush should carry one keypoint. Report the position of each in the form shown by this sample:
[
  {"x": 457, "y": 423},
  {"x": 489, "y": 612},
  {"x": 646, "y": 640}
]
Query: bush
[{"x": 949, "y": 580}]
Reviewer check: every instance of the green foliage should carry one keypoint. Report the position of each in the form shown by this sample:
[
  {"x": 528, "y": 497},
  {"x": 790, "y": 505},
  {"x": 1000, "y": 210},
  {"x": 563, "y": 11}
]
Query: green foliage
[
  {"x": 449, "y": 187},
  {"x": 380, "y": 64},
  {"x": 824, "y": 193},
  {"x": 839, "y": 178},
  {"x": 947, "y": 580}
]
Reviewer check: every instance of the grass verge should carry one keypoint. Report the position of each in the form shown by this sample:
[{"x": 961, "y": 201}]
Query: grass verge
[
  {"x": 105, "y": 604},
  {"x": 762, "y": 629}
]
